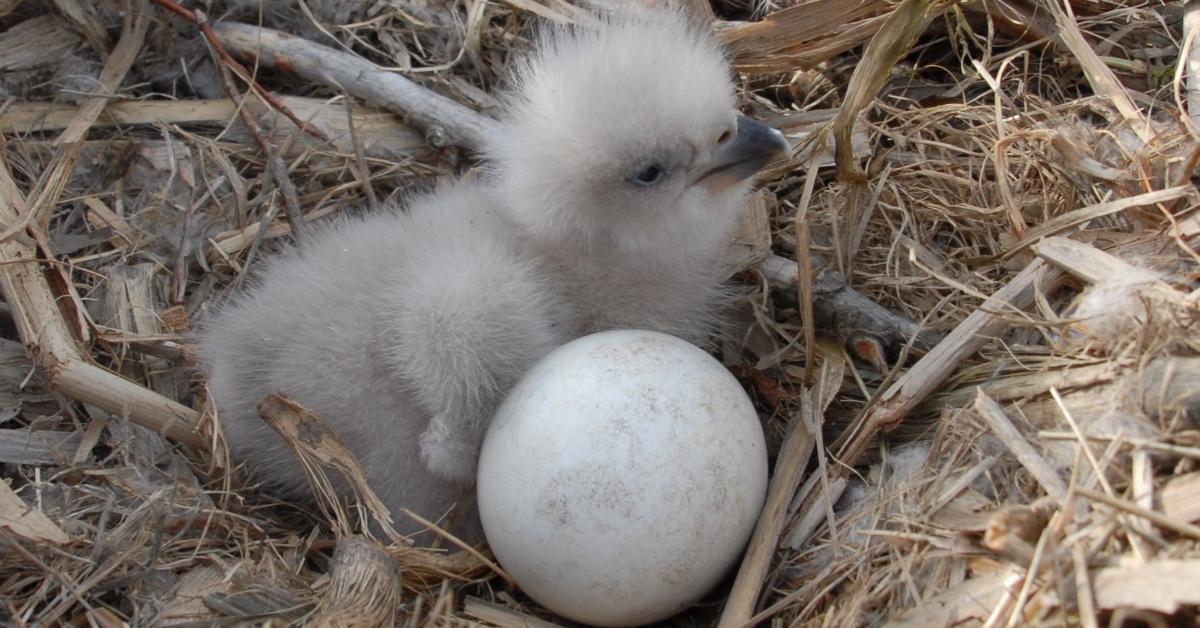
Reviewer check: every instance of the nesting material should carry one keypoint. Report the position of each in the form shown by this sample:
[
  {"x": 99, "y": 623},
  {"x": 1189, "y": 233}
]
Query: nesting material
[
  {"x": 1116, "y": 306},
  {"x": 1019, "y": 198}
]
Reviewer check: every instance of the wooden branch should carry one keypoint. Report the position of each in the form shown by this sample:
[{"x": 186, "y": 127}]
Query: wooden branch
[
  {"x": 845, "y": 313},
  {"x": 79, "y": 379},
  {"x": 444, "y": 121}
]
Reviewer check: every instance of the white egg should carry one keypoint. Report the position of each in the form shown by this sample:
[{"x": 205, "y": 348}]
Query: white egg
[{"x": 622, "y": 477}]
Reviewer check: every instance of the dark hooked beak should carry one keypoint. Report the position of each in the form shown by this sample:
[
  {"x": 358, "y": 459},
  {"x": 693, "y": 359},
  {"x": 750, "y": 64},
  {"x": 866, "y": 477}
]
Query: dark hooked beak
[{"x": 754, "y": 146}]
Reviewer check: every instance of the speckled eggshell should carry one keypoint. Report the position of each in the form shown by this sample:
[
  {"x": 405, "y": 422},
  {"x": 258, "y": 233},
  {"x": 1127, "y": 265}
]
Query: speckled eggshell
[{"x": 622, "y": 477}]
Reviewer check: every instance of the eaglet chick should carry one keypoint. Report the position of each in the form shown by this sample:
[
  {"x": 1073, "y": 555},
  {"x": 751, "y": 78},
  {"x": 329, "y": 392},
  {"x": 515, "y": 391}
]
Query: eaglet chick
[{"x": 609, "y": 196}]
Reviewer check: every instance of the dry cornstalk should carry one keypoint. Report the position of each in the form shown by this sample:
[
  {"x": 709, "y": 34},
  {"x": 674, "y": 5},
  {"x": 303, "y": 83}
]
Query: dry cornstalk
[{"x": 1092, "y": 212}]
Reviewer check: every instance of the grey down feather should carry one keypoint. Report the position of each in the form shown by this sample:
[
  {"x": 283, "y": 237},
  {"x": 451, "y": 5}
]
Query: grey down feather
[{"x": 609, "y": 195}]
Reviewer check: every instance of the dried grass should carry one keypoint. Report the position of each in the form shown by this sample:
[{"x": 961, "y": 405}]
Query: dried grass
[{"x": 1020, "y": 189}]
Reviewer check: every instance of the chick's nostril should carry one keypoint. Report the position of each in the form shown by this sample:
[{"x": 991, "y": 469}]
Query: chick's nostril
[{"x": 725, "y": 137}]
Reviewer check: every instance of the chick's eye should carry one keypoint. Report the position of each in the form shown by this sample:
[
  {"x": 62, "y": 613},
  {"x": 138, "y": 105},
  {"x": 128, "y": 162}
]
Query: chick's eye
[{"x": 649, "y": 175}]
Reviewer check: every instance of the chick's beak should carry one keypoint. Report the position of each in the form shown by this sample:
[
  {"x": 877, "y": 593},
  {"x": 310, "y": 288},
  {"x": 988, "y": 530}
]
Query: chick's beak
[{"x": 754, "y": 146}]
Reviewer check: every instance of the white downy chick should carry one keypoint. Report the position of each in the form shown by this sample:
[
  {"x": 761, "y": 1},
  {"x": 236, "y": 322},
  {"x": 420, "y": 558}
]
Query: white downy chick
[{"x": 610, "y": 195}]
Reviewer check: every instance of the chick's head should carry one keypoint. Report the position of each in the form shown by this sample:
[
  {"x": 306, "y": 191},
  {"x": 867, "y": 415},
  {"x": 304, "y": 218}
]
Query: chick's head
[{"x": 621, "y": 134}]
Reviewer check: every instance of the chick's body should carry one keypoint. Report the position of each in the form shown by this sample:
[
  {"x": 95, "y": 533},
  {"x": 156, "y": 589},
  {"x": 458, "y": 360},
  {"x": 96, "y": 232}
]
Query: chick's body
[
  {"x": 352, "y": 326},
  {"x": 609, "y": 198}
]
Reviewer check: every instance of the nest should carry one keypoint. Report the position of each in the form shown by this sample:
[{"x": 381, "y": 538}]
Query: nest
[{"x": 973, "y": 334}]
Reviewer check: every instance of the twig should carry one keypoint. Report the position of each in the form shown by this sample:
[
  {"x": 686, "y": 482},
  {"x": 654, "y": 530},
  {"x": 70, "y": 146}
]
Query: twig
[
  {"x": 804, "y": 274},
  {"x": 807, "y": 516},
  {"x": 846, "y": 313},
  {"x": 388, "y": 137},
  {"x": 226, "y": 60},
  {"x": 68, "y": 144},
  {"x": 291, "y": 200},
  {"x": 501, "y": 616},
  {"x": 444, "y": 121},
  {"x": 230, "y": 243},
  {"x": 802, "y": 438},
  {"x": 259, "y": 235},
  {"x": 45, "y": 194},
  {"x": 930, "y": 371},
  {"x": 461, "y": 545}
]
